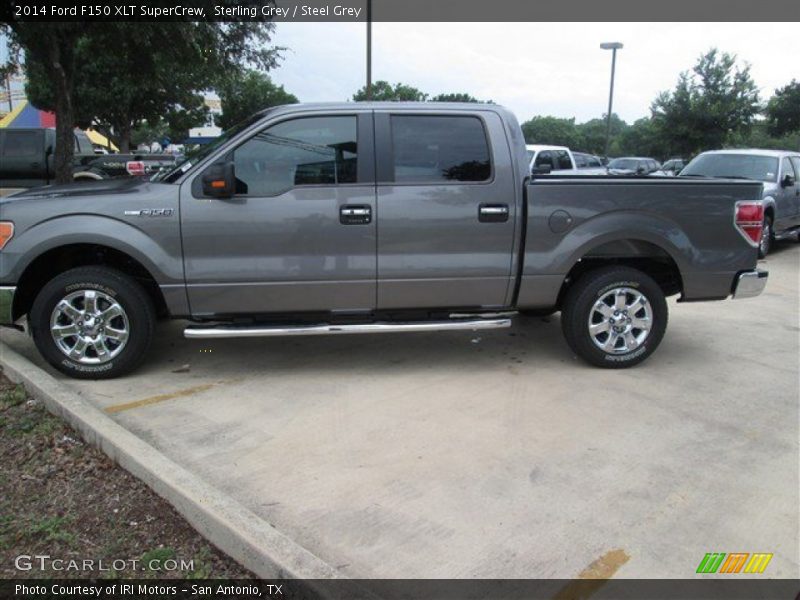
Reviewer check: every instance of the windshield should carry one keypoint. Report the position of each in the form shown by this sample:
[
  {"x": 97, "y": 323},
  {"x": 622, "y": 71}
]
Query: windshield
[
  {"x": 195, "y": 156},
  {"x": 623, "y": 163},
  {"x": 737, "y": 166}
]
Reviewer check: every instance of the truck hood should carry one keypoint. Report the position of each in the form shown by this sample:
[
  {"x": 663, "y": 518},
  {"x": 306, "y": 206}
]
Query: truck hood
[{"x": 81, "y": 189}]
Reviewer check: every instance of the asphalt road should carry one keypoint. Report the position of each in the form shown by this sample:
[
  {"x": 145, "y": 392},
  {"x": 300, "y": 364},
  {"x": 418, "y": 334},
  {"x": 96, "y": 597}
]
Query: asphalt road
[{"x": 496, "y": 454}]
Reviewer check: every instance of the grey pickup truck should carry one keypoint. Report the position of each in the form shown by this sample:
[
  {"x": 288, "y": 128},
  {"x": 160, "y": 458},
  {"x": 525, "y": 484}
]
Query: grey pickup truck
[{"x": 360, "y": 218}]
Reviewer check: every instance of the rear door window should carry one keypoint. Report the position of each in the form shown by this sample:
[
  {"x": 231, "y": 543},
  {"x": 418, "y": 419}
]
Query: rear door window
[
  {"x": 439, "y": 149},
  {"x": 787, "y": 169},
  {"x": 562, "y": 160},
  {"x": 796, "y": 162},
  {"x": 545, "y": 158}
]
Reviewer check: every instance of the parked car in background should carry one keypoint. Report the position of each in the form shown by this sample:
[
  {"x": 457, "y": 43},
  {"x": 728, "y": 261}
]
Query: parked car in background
[
  {"x": 634, "y": 165},
  {"x": 673, "y": 166},
  {"x": 559, "y": 160},
  {"x": 27, "y": 160},
  {"x": 780, "y": 173},
  {"x": 585, "y": 162}
]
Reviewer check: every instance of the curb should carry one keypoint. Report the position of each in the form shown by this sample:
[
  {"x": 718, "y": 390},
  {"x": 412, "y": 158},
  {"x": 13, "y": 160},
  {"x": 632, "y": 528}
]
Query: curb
[{"x": 231, "y": 527}]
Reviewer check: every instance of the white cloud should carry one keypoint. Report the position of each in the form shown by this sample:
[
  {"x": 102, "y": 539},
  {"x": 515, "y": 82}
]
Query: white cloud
[{"x": 533, "y": 68}]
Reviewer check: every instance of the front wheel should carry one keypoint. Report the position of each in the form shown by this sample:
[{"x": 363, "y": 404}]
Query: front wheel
[
  {"x": 92, "y": 323},
  {"x": 614, "y": 317}
]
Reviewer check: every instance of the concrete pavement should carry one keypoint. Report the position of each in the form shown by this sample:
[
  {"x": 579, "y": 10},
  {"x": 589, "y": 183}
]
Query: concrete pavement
[{"x": 496, "y": 454}]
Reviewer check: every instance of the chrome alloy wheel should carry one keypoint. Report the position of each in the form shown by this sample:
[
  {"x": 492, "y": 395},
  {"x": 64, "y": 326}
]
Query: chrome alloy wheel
[
  {"x": 620, "y": 320},
  {"x": 89, "y": 327}
]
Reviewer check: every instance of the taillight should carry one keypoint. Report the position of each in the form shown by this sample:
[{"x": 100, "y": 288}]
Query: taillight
[
  {"x": 750, "y": 220},
  {"x": 6, "y": 232},
  {"x": 135, "y": 167}
]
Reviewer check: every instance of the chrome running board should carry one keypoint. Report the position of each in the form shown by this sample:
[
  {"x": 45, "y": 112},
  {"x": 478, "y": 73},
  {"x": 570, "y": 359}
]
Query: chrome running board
[{"x": 234, "y": 331}]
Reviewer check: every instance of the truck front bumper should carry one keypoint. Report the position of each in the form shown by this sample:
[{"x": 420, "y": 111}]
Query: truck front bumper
[
  {"x": 7, "y": 305},
  {"x": 750, "y": 283}
]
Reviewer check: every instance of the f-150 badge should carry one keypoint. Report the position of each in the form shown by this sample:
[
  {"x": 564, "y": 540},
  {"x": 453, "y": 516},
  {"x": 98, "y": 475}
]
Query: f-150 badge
[{"x": 150, "y": 212}]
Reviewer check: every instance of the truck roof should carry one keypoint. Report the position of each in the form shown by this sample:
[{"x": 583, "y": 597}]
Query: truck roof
[{"x": 416, "y": 106}]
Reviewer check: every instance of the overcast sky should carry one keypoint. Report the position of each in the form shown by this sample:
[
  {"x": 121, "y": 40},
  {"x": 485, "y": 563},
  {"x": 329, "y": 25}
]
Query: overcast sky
[{"x": 533, "y": 68}]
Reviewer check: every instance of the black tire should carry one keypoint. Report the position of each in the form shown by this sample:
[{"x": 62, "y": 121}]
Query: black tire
[
  {"x": 767, "y": 238},
  {"x": 598, "y": 285},
  {"x": 109, "y": 287}
]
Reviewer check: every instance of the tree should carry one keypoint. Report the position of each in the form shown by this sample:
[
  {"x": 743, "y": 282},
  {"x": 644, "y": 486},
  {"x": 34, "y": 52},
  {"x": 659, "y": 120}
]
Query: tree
[
  {"x": 641, "y": 139},
  {"x": 711, "y": 103},
  {"x": 131, "y": 72},
  {"x": 246, "y": 93},
  {"x": 552, "y": 130},
  {"x": 593, "y": 134},
  {"x": 386, "y": 92},
  {"x": 458, "y": 97},
  {"x": 52, "y": 46},
  {"x": 783, "y": 110}
]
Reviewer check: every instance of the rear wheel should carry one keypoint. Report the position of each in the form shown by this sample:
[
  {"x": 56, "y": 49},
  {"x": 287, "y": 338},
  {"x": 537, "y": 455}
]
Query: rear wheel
[
  {"x": 767, "y": 237},
  {"x": 92, "y": 323},
  {"x": 614, "y": 317}
]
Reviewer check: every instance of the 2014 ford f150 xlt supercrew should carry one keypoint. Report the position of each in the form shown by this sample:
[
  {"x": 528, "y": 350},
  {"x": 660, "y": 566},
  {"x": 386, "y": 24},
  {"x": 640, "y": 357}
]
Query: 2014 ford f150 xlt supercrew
[{"x": 362, "y": 217}]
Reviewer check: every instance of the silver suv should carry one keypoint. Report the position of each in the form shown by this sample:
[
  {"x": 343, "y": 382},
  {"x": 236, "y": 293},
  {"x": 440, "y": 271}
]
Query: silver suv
[{"x": 779, "y": 170}]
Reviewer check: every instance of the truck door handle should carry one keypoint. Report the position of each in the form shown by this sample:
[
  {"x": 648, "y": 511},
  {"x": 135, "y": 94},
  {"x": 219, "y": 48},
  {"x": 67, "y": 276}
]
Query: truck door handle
[
  {"x": 355, "y": 214},
  {"x": 493, "y": 213}
]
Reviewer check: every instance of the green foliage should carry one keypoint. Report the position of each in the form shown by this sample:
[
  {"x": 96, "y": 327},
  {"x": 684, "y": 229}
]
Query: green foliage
[
  {"x": 593, "y": 135},
  {"x": 159, "y": 555},
  {"x": 760, "y": 136},
  {"x": 458, "y": 97},
  {"x": 383, "y": 91},
  {"x": 127, "y": 73},
  {"x": 245, "y": 93},
  {"x": 783, "y": 110},
  {"x": 14, "y": 396},
  {"x": 52, "y": 528},
  {"x": 552, "y": 130},
  {"x": 709, "y": 104},
  {"x": 640, "y": 139}
]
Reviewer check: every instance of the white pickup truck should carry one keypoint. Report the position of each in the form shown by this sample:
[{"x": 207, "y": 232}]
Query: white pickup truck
[{"x": 561, "y": 160}]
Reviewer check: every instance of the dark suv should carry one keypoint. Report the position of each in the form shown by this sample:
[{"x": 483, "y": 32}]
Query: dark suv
[{"x": 633, "y": 165}]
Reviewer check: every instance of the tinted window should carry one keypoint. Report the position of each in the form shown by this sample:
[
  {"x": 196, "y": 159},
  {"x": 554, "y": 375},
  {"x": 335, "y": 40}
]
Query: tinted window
[
  {"x": 796, "y": 163},
  {"x": 306, "y": 151},
  {"x": 787, "y": 169},
  {"x": 21, "y": 144},
  {"x": 562, "y": 160},
  {"x": 580, "y": 160},
  {"x": 545, "y": 158},
  {"x": 747, "y": 166},
  {"x": 434, "y": 149},
  {"x": 593, "y": 161},
  {"x": 627, "y": 164}
]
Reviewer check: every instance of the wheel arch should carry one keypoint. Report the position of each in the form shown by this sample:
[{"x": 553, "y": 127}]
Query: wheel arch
[
  {"x": 61, "y": 258},
  {"x": 636, "y": 252}
]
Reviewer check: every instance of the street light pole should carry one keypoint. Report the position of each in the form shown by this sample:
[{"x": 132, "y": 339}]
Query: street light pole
[
  {"x": 613, "y": 46},
  {"x": 369, "y": 49}
]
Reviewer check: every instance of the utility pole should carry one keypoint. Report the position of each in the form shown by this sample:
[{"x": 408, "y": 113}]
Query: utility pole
[
  {"x": 369, "y": 50},
  {"x": 613, "y": 46}
]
